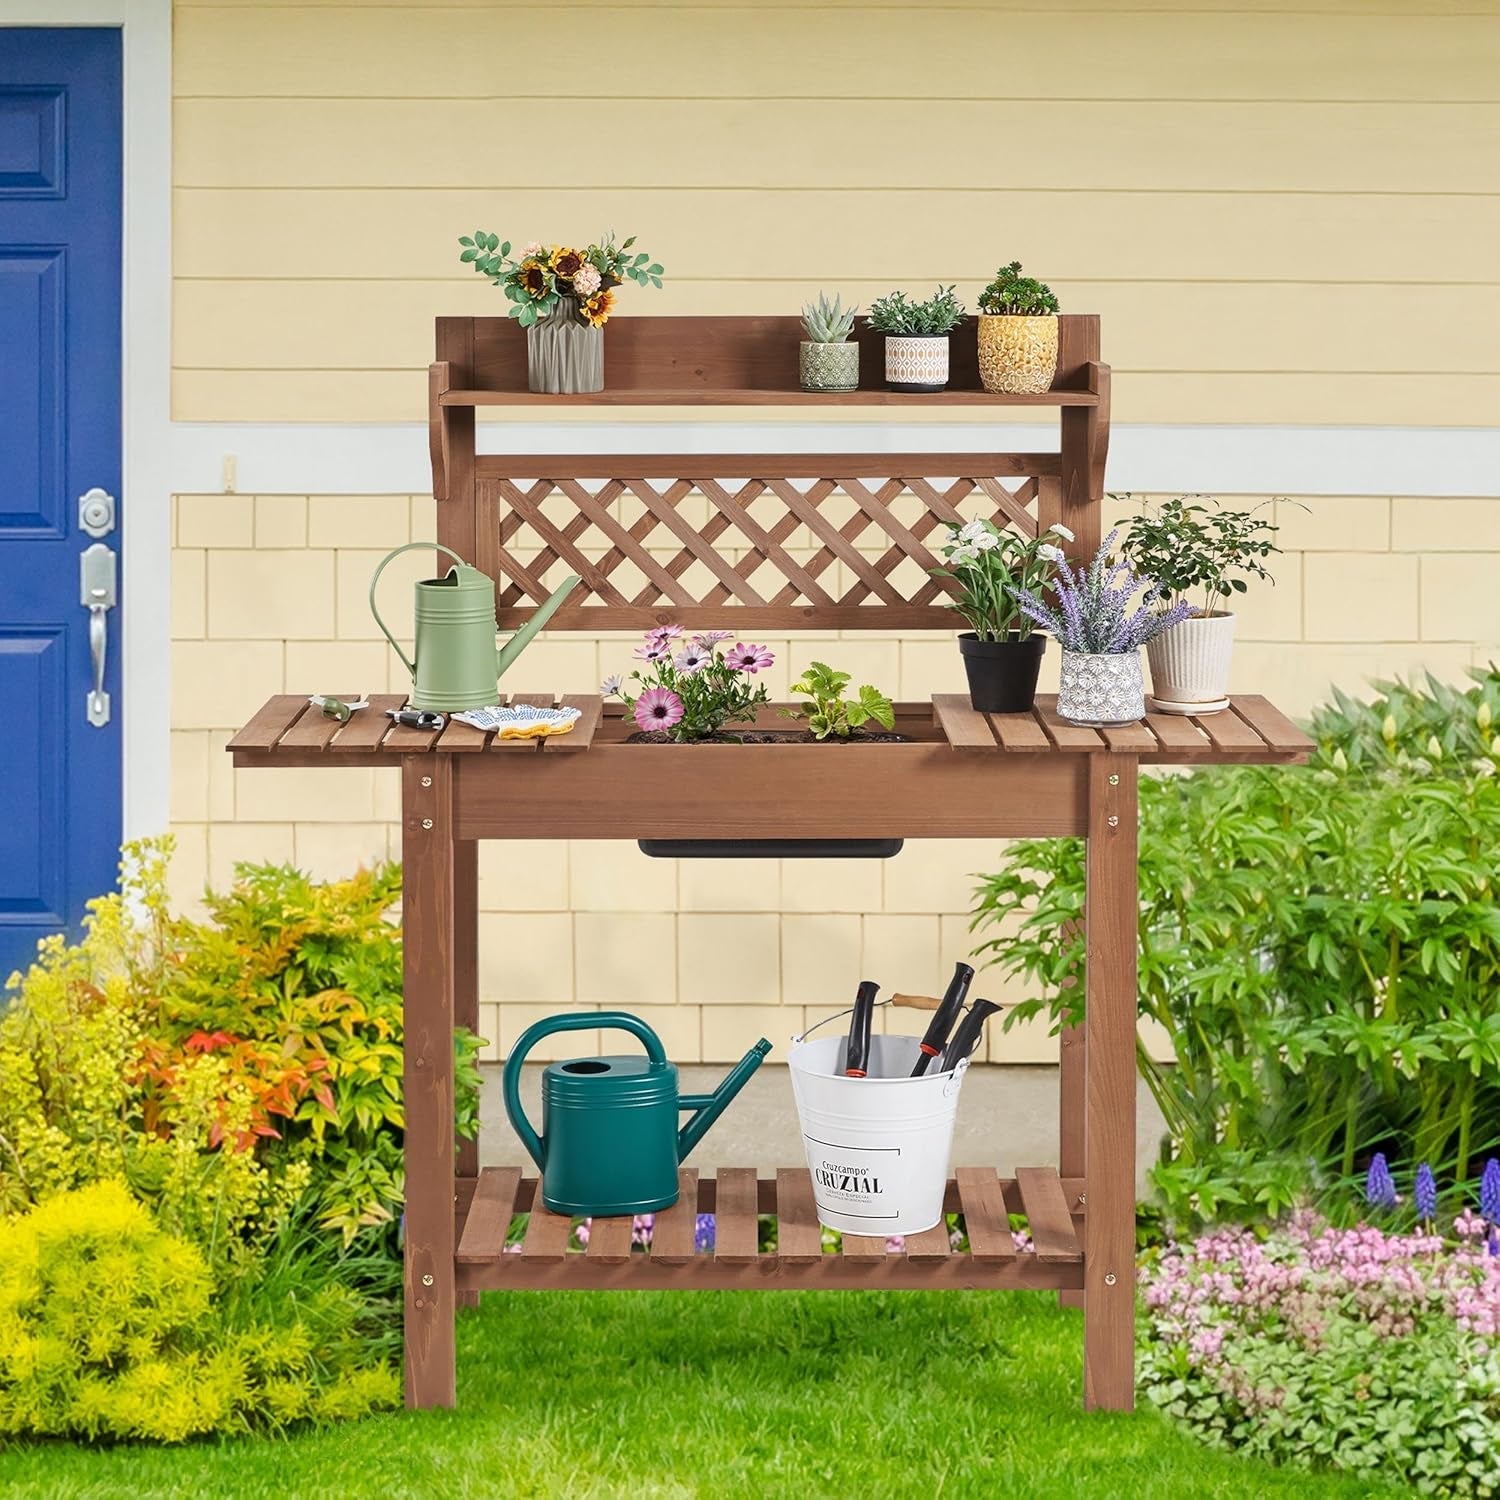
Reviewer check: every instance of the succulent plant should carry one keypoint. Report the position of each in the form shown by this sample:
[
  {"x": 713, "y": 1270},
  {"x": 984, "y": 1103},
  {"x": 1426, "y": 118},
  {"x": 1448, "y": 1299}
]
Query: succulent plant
[
  {"x": 894, "y": 314},
  {"x": 828, "y": 324},
  {"x": 1013, "y": 295}
]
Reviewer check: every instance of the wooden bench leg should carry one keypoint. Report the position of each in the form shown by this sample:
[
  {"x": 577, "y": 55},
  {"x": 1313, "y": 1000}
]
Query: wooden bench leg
[
  {"x": 1070, "y": 1104},
  {"x": 430, "y": 949},
  {"x": 466, "y": 986},
  {"x": 1110, "y": 920}
]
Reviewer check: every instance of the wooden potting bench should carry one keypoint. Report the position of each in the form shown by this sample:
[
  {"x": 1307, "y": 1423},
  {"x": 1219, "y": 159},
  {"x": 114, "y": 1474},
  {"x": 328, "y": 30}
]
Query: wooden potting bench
[{"x": 762, "y": 544}]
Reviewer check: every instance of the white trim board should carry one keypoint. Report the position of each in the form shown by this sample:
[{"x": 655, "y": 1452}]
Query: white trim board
[
  {"x": 146, "y": 300},
  {"x": 391, "y": 458}
]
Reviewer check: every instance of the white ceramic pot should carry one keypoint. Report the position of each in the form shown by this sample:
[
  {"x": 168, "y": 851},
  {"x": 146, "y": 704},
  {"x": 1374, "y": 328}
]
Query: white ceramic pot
[
  {"x": 1190, "y": 662},
  {"x": 918, "y": 363},
  {"x": 1101, "y": 689}
]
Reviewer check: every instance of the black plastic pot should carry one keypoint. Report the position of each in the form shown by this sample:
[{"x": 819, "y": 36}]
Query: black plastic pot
[{"x": 1002, "y": 674}]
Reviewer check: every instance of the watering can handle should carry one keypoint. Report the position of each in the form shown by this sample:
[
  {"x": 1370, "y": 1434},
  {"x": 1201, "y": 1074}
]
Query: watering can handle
[
  {"x": 593, "y": 1021},
  {"x": 380, "y": 568}
]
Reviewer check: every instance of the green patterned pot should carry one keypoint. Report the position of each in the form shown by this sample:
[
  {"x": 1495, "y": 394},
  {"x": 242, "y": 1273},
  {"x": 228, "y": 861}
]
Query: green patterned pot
[{"x": 829, "y": 367}]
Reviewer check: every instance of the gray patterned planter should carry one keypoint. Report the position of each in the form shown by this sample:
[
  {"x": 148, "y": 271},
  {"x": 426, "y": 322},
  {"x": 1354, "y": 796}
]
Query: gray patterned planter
[
  {"x": 1101, "y": 690},
  {"x": 829, "y": 367},
  {"x": 563, "y": 356}
]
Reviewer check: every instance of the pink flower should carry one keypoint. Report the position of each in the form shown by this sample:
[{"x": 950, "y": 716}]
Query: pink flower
[
  {"x": 711, "y": 638},
  {"x": 746, "y": 658},
  {"x": 653, "y": 651},
  {"x": 690, "y": 659},
  {"x": 658, "y": 708},
  {"x": 659, "y": 635}
]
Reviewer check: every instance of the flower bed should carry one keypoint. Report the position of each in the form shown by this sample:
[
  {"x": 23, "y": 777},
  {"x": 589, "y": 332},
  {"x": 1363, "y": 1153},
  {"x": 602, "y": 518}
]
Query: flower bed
[{"x": 1353, "y": 1349}]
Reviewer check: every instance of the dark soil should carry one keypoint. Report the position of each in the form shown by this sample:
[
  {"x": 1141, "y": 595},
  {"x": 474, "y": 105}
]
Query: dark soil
[{"x": 768, "y": 737}]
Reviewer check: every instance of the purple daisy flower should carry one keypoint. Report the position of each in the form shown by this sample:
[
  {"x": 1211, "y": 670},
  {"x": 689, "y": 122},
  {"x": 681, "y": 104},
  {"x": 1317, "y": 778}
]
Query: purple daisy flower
[
  {"x": 612, "y": 685},
  {"x": 690, "y": 659},
  {"x": 652, "y": 651},
  {"x": 743, "y": 657},
  {"x": 659, "y": 635},
  {"x": 658, "y": 708},
  {"x": 708, "y": 639}
]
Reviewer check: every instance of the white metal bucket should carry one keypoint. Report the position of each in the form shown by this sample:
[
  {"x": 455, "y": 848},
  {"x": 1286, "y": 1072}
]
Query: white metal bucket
[{"x": 877, "y": 1147}]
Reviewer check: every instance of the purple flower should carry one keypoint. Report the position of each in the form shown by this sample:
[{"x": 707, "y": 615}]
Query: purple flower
[
  {"x": 1426, "y": 1193},
  {"x": 642, "y": 1226},
  {"x": 703, "y": 1234},
  {"x": 1380, "y": 1187},
  {"x": 652, "y": 651},
  {"x": 895, "y": 1244},
  {"x": 1489, "y": 1191},
  {"x": 659, "y": 635},
  {"x": 658, "y": 708},
  {"x": 690, "y": 660},
  {"x": 742, "y": 657},
  {"x": 708, "y": 639}
]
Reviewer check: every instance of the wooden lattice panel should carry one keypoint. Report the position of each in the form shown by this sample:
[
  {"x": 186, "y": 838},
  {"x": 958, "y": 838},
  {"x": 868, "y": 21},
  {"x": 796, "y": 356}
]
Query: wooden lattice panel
[{"x": 785, "y": 543}]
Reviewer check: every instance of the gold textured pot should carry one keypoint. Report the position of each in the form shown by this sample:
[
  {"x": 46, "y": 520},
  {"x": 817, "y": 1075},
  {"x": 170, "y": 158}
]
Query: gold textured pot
[{"x": 1017, "y": 356}]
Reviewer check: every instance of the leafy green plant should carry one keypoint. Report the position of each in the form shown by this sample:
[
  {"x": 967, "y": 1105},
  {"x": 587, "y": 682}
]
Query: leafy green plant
[
  {"x": 1013, "y": 295},
  {"x": 1321, "y": 947},
  {"x": 541, "y": 278},
  {"x": 828, "y": 323},
  {"x": 692, "y": 687},
  {"x": 895, "y": 315},
  {"x": 111, "y": 1329},
  {"x": 828, "y": 713},
  {"x": 1189, "y": 548}
]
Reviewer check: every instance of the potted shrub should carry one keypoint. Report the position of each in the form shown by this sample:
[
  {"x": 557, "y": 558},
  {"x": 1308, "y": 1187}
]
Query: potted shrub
[
  {"x": 1201, "y": 555},
  {"x": 1002, "y": 654},
  {"x": 562, "y": 297},
  {"x": 916, "y": 338},
  {"x": 826, "y": 360},
  {"x": 1101, "y": 636},
  {"x": 1017, "y": 333}
]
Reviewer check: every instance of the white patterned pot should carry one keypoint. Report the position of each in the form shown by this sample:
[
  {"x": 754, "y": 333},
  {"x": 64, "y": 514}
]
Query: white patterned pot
[
  {"x": 829, "y": 367},
  {"x": 1190, "y": 662},
  {"x": 1017, "y": 356},
  {"x": 1101, "y": 689},
  {"x": 917, "y": 363}
]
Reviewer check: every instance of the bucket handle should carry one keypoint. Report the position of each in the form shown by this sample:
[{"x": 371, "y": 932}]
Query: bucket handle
[{"x": 410, "y": 666}]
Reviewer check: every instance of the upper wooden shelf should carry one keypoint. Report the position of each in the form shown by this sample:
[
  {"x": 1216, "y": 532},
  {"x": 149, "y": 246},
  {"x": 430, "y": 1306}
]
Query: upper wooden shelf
[
  {"x": 738, "y": 361},
  {"x": 744, "y": 396}
]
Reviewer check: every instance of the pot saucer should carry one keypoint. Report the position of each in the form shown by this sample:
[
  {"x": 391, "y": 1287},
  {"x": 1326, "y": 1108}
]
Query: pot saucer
[{"x": 1213, "y": 706}]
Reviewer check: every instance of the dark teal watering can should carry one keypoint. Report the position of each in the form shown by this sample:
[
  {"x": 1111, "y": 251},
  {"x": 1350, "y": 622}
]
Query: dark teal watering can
[
  {"x": 457, "y": 662},
  {"x": 610, "y": 1143}
]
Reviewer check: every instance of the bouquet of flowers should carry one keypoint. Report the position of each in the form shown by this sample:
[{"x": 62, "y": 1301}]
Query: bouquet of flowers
[
  {"x": 540, "y": 281},
  {"x": 692, "y": 687}
]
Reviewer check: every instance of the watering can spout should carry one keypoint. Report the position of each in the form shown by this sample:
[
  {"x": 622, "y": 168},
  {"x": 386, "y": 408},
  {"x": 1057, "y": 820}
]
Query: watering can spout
[
  {"x": 505, "y": 655},
  {"x": 710, "y": 1106}
]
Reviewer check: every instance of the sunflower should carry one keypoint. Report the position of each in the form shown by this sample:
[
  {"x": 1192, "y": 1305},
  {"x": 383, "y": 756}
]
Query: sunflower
[
  {"x": 534, "y": 279},
  {"x": 596, "y": 309},
  {"x": 566, "y": 263}
]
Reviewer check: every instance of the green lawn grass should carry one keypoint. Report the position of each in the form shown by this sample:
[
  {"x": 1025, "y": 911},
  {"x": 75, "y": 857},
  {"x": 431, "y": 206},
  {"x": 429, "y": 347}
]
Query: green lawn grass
[{"x": 870, "y": 1396}]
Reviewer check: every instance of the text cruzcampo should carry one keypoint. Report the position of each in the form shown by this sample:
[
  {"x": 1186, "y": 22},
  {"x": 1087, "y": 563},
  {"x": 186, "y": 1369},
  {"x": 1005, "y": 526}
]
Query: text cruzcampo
[{"x": 846, "y": 1180}]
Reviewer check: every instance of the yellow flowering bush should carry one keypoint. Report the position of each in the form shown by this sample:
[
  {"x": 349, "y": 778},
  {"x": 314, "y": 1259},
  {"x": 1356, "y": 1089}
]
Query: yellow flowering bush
[{"x": 109, "y": 1328}]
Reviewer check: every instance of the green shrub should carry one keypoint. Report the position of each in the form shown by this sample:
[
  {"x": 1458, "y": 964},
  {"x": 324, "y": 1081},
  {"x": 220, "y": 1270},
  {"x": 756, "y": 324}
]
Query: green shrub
[
  {"x": 109, "y": 1329},
  {"x": 228, "y": 1069},
  {"x": 1321, "y": 946}
]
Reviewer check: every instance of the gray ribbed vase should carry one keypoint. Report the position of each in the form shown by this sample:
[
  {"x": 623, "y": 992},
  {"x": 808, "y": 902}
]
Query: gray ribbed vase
[{"x": 563, "y": 356}]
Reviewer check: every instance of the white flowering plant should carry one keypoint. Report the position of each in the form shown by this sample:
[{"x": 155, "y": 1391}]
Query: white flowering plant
[{"x": 989, "y": 565}]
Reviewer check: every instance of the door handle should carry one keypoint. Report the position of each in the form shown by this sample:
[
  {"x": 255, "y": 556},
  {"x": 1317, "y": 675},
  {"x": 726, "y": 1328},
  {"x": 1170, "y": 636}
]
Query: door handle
[{"x": 96, "y": 589}]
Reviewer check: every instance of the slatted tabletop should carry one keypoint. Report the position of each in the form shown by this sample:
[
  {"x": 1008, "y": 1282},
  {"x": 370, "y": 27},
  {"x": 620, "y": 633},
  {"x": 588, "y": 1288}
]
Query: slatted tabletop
[
  {"x": 1250, "y": 730},
  {"x": 495, "y": 1250},
  {"x": 289, "y": 725}
]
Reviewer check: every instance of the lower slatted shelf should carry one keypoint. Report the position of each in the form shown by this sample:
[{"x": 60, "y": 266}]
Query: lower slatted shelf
[{"x": 547, "y": 1256}]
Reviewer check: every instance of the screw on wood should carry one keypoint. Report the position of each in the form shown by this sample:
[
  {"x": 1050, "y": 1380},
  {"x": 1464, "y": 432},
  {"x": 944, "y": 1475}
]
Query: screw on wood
[
  {"x": 1113, "y": 821},
  {"x": 1083, "y": 1198},
  {"x": 1113, "y": 781},
  {"x": 427, "y": 781},
  {"x": 426, "y": 822},
  {"x": 427, "y": 1279},
  {"x": 1109, "y": 1278}
]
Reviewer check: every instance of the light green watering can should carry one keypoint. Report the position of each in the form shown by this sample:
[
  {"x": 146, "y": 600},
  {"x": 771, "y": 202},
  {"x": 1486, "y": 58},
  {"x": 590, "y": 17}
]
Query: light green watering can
[{"x": 458, "y": 661}]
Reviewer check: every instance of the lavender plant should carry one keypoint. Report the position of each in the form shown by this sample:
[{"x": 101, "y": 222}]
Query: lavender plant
[{"x": 1096, "y": 611}]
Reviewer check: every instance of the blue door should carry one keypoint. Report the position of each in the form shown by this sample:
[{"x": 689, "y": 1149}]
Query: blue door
[{"x": 60, "y": 787}]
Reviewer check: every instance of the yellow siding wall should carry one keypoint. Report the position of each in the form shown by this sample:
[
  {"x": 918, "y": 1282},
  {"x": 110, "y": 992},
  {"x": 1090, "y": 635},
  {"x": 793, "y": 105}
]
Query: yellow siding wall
[{"x": 1285, "y": 214}]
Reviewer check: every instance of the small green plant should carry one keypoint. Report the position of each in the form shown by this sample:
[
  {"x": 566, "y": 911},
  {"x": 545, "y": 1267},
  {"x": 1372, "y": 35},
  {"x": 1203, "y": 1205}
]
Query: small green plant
[
  {"x": 828, "y": 713},
  {"x": 895, "y": 314},
  {"x": 1191, "y": 549},
  {"x": 691, "y": 687},
  {"x": 1013, "y": 295},
  {"x": 828, "y": 324}
]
